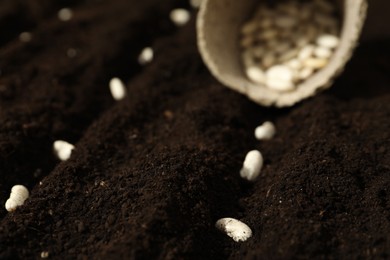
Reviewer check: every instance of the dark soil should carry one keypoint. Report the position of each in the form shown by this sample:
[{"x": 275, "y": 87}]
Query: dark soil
[{"x": 152, "y": 173}]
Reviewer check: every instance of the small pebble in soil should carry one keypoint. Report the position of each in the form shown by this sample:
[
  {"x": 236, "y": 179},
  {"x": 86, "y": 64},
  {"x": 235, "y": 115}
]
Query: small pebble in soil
[
  {"x": 252, "y": 165},
  {"x": 65, "y": 14},
  {"x": 180, "y": 16},
  {"x": 265, "y": 131},
  {"x": 234, "y": 228},
  {"x": 18, "y": 195},
  {"x": 289, "y": 42},
  {"x": 63, "y": 149},
  {"x": 117, "y": 88},
  {"x": 44, "y": 254},
  {"x": 146, "y": 56},
  {"x": 25, "y": 36}
]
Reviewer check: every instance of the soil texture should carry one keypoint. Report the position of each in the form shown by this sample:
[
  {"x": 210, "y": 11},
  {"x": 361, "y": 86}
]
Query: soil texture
[{"x": 151, "y": 174}]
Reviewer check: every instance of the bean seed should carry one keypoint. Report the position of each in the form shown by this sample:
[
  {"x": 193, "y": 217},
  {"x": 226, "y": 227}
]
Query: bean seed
[
  {"x": 25, "y": 36},
  {"x": 63, "y": 149},
  {"x": 315, "y": 63},
  {"x": 268, "y": 34},
  {"x": 282, "y": 39},
  {"x": 146, "y": 56},
  {"x": 288, "y": 55},
  {"x": 248, "y": 58},
  {"x": 234, "y": 228},
  {"x": 44, "y": 254},
  {"x": 117, "y": 88},
  {"x": 268, "y": 59},
  {"x": 65, "y": 14},
  {"x": 322, "y": 52},
  {"x": 250, "y": 27},
  {"x": 265, "y": 131},
  {"x": 281, "y": 72},
  {"x": 18, "y": 195},
  {"x": 294, "y": 64},
  {"x": 258, "y": 51},
  {"x": 306, "y": 52},
  {"x": 279, "y": 85},
  {"x": 180, "y": 16},
  {"x": 255, "y": 74},
  {"x": 328, "y": 41},
  {"x": 305, "y": 73},
  {"x": 252, "y": 165},
  {"x": 265, "y": 23},
  {"x": 247, "y": 41},
  {"x": 285, "y": 21},
  {"x": 281, "y": 47}
]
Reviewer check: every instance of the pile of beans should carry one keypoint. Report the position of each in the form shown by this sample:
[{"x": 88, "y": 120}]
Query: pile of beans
[{"x": 284, "y": 45}]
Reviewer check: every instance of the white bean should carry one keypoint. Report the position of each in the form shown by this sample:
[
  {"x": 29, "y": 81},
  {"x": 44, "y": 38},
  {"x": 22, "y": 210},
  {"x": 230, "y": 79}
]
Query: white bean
[
  {"x": 281, "y": 47},
  {"x": 281, "y": 72},
  {"x": 25, "y": 36},
  {"x": 63, "y": 149},
  {"x": 234, "y": 228},
  {"x": 180, "y": 16},
  {"x": 280, "y": 85},
  {"x": 305, "y": 73},
  {"x": 285, "y": 21},
  {"x": 286, "y": 35},
  {"x": 265, "y": 131},
  {"x": 65, "y": 14},
  {"x": 315, "y": 63},
  {"x": 265, "y": 22},
  {"x": 146, "y": 56},
  {"x": 280, "y": 77},
  {"x": 306, "y": 52},
  {"x": 252, "y": 165},
  {"x": 247, "y": 41},
  {"x": 250, "y": 27},
  {"x": 248, "y": 58},
  {"x": 268, "y": 59},
  {"x": 44, "y": 254},
  {"x": 301, "y": 40},
  {"x": 268, "y": 34},
  {"x": 258, "y": 51},
  {"x": 255, "y": 74},
  {"x": 288, "y": 55},
  {"x": 294, "y": 64},
  {"x": 117, "y": 88},
  {"x": 328, "y": 41},
  {"x": 18, "y": 195},
  {"x": 322, "y": 52}
]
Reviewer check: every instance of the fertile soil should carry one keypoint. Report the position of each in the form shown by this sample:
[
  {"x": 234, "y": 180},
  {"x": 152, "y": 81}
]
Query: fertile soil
[{"x": 151, "y": 174}]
